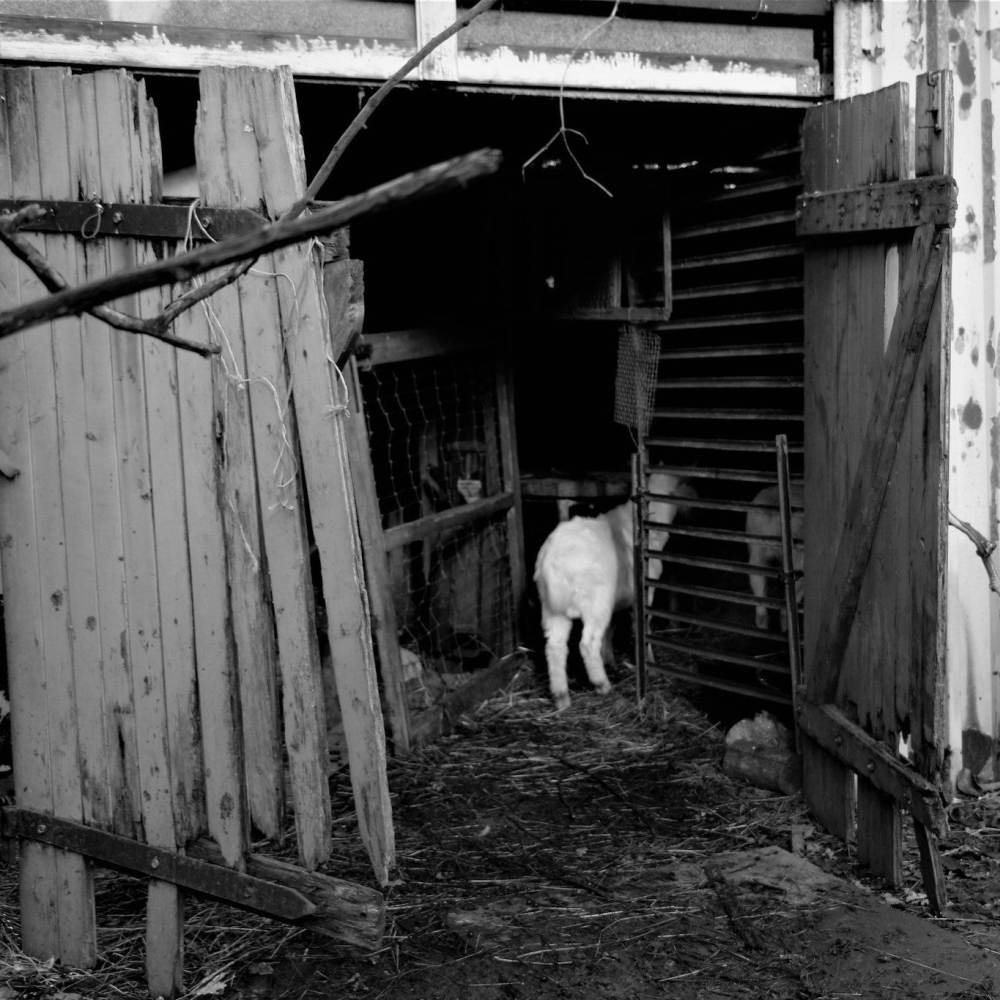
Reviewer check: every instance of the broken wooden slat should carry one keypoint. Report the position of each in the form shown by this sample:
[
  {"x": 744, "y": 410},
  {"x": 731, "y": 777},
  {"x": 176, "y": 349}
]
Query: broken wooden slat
[
  {"x": 214, "y": 650},
  {"x": 119, "y": 108},
  {"x": 878, "y": 208},
  {"x": 242, "y": 136},
  {"x": 384, "y": 624},
  {"x": 343, "y": 911}
]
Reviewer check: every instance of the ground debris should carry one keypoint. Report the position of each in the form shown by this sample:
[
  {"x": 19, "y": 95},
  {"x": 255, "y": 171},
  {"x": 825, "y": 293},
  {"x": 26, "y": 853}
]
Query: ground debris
[{"x": 599, "y": 852}]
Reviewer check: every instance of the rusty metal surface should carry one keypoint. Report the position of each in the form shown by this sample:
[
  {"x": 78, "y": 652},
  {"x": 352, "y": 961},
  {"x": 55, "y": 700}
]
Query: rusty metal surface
[
  {"x": 110, "y": 849},
  {"x": 170, "y": 222}
]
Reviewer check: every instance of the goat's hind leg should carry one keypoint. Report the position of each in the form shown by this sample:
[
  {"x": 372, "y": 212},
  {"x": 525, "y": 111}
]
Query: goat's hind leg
[
  {"x": 592, "y": 652},
  {"x": 557, "y": 629}
]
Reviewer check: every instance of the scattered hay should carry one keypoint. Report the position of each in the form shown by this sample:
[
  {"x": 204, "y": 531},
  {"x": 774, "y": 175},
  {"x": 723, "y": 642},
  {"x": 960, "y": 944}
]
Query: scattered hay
[{"x": 540, "y": 854}]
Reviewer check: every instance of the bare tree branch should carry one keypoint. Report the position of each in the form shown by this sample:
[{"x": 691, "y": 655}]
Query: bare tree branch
[
  {"x": 361, "y": 118},
  {"x": 26, "y": 251},
  {"x": 984, "y": 548},
  {"x": 437, "y": 179}
]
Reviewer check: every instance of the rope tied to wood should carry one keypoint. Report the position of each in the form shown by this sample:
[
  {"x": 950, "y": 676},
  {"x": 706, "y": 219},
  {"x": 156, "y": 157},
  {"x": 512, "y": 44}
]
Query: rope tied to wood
[{"x": 88, "y": 231}]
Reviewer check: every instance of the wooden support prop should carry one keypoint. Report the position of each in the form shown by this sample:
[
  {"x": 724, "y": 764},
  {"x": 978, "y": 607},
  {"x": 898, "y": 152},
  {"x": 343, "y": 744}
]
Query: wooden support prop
[
  {"x": 878, "y": 208},
  {"x": 851, "y": 745},
  {"x": 447, "y": 520},
  {"x": 871, "y": 479},
  {"x": 442, "y": 177}
]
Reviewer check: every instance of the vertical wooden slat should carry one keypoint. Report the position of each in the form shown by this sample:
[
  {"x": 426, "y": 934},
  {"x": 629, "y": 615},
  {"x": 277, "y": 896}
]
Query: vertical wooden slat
[
  {"x": 98, "y": 430},
  {"x": 56, "y": 893},
  {"x": 215, "y": 652},
  {"x": 271, "y": 172},
  {"x": 511, "y": 476},
  {"x": 321, "y": 402},
  {"x": 827, "y": 785},
  {"x": 154, "y": 700},
  {"x": 227, "y": 142},
  {"x": 384, "y": 624}
]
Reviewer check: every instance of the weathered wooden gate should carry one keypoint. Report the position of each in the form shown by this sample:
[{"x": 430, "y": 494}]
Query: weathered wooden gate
[
  {"x": 164, "y": 662},
  {"x": 876, "y": 275}
]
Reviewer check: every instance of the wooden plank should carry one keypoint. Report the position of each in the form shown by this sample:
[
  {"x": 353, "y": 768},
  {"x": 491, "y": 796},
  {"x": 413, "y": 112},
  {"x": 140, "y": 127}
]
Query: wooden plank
[
  {"x": 447, "y": 520},
  {"x": 927, "y": 699},
  {"x": 252, "y": 616},
  {"x": 344, "y": 911},
  {"x": 871, "y": 477},
  {"x": 19, "y": 523},
  {"x": 831, "y": 729},
  {"x": 124, "y": 170},
  {"x": 255, "y": 106},
  {"x": 214, "y": 648},
  {"x": 98, "y": 430},
  {"x": 878, "y": 208},
  {"x": 931, "y": 869},
  {"x": 48, "y": 390},
  {"x": 385, "y": 627},
  {"x": 510, "y": 477},
  {"x": 880, "y": 834},
  {"x": 320, "y": 410},
  {"x": 393, "y": 346}
]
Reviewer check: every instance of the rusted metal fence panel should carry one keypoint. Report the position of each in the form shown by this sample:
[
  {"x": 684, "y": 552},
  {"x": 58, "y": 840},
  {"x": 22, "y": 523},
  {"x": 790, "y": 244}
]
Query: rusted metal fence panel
[{"x": 164, "y": 658}]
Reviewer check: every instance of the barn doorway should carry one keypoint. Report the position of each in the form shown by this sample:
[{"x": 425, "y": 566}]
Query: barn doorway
[{"x": 679, "y": 207}]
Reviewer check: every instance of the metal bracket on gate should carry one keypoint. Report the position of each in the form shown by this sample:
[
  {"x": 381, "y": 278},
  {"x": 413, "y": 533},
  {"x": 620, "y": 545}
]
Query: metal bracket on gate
[
  {"x": 134, "y": 221},
  {"x": 202, "y": 877},
  {"x": 878, "y": 208}
]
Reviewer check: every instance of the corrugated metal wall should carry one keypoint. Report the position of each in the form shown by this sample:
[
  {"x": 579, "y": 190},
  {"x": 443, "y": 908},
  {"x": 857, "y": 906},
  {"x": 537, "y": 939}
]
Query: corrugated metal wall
[{"x": 877, "y": 44}]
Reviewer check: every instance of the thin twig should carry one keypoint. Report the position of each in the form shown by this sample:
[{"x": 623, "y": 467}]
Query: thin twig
[
  {"x": 562, "y": 132},
  {"x": 361, "y": 118},
  {"x": 984, "y": 548}
]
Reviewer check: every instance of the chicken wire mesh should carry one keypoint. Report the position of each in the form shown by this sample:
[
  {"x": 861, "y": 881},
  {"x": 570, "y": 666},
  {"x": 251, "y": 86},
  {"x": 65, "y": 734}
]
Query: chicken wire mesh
[
  {"x": 435, "y": 446},
  {"x": 635, "y": 378}
]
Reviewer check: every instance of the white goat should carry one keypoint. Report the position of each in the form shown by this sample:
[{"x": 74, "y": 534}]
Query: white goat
[
  {"x": 584, "y": 570},
  {"x": 768, "y": 553}
]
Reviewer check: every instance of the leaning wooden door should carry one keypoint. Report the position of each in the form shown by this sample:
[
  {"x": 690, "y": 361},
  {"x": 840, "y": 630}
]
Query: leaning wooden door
[{"x": 875, "y": 217}]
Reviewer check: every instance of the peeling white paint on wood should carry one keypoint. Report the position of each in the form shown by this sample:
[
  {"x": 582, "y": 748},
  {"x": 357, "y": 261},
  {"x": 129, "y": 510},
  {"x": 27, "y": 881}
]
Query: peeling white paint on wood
[{"x": 366, "y": 59}]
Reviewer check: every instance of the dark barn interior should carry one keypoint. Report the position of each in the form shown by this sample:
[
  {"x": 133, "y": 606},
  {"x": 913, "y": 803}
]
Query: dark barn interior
[{"x": 544, "y": 259}]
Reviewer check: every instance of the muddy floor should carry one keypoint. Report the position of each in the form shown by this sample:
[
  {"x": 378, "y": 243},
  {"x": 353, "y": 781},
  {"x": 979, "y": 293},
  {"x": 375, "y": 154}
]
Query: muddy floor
[{"x": 596, "y": 853}]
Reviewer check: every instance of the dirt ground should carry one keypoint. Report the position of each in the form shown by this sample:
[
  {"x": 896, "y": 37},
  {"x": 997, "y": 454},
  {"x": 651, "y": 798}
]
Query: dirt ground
[{"x": 596, "y": 853}]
